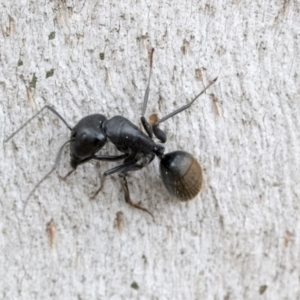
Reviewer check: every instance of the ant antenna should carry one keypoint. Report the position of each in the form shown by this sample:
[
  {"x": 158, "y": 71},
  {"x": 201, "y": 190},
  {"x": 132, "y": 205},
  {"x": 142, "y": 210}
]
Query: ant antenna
[
  {"x": 57, "y": 160},
  {"x": 46, "y": 106}
]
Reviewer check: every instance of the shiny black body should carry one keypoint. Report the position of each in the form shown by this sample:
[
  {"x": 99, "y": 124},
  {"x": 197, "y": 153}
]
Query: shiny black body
[
  {"x": 128, "y": 138},
  {"x": 92, "y": 132}
]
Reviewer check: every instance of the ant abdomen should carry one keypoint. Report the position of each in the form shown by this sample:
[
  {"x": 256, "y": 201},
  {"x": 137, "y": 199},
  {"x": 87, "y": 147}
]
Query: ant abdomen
[{"x": 181, "y": 174}]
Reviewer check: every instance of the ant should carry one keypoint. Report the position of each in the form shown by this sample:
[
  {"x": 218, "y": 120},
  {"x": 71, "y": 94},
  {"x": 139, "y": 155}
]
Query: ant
[{"x": 180, "y": 172}]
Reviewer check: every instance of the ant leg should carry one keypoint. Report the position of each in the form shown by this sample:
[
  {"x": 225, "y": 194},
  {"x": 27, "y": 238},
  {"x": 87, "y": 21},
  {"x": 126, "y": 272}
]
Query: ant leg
[
  {"x": 57, "y": 160},
  {"x": 127, "y": 196},
  {"x": 148, "y": 85},
  {"x": 102, "y": 179},
  {"x": 97, "y": 157},
  {"x": 146, "y": 125},
  {"x": 179, "y": 110},
  {"x": 135, "y": 166},
  {"x": 110, "y": 157},
  {"x": 123, "y": 169},
  {"x": 110, "y": 172},
  {"x": 36, "y": 186},
  {"x": 64, "y": 178}
]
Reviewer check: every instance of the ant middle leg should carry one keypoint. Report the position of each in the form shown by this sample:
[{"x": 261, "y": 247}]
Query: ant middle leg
[
  {"x": 122, "y": 170},
  {"x": 111, "y": 171}
]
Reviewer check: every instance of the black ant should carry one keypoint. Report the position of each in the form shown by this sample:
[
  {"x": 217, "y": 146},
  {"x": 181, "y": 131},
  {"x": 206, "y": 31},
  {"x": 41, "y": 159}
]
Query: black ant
[{"x": 180, "y": 171}]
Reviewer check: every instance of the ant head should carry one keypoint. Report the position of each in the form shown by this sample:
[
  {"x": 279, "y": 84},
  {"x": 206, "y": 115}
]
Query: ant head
[{"x": 87, "y": 138}]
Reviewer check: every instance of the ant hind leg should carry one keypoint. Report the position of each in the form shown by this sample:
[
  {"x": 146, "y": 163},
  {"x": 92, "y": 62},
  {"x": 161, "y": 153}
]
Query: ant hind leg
[{"x": 127, "y": 196}]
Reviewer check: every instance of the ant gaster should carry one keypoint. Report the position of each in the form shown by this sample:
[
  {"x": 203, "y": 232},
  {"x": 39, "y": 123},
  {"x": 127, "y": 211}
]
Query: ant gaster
[{"x": 179, "y": 170}]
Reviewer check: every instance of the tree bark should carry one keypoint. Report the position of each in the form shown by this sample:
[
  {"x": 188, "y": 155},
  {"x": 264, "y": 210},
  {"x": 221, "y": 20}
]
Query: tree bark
[{"x": 239, "y": 238}]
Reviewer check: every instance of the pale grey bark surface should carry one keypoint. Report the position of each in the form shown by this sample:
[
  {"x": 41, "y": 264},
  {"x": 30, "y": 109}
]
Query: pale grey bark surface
[{"x": 239, "y": 239}]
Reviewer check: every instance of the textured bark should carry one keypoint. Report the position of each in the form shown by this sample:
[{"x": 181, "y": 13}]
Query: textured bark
[{"x": 239, "y": 239}]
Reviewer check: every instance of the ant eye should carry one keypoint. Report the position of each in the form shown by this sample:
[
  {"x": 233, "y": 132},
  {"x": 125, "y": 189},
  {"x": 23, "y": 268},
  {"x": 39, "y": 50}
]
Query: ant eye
[
  {"x": 83, "y": 138},
  {"x": 88, "y": 139}
]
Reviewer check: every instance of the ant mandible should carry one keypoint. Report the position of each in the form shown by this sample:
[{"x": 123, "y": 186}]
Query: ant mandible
[{"x": 180, "y": 172}]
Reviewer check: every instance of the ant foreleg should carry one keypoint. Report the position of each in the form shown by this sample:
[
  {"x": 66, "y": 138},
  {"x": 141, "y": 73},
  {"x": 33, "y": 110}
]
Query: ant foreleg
[
  {"x": 36, "y": 186},
  {"x": 57, "y": 160},
  {"x": 97, "y": 157}
]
